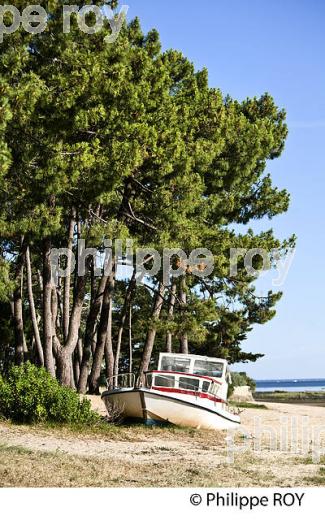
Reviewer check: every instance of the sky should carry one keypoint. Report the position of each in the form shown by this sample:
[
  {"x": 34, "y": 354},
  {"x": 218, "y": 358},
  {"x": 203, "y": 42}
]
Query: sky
[{"x": 278, "y": 47}]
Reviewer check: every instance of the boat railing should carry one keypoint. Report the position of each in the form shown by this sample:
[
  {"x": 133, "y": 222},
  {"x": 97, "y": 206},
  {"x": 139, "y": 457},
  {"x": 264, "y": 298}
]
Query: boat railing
[{"x": 126, "y": 380}]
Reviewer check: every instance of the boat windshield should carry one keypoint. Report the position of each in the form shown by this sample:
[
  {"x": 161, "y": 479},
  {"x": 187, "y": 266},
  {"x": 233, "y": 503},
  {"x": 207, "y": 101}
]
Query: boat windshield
[
  {"x": 198, "y": 367},
  {"x": 208, "y": 368},
  {"x": 175, "y": 364}
]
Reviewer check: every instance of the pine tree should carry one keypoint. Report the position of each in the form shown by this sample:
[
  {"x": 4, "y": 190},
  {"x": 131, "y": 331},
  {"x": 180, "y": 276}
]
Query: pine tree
[{"x": 126, "y": 141}]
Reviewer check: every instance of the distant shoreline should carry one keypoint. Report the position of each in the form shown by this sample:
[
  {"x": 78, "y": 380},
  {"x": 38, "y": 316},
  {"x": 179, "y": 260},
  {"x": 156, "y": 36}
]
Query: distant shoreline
[
  {"x": 313, "y": 398},
  {"x": 290, "y": 385}
]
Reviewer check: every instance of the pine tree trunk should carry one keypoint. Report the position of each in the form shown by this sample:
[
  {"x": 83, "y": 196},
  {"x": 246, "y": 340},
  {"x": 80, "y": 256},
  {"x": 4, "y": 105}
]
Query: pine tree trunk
[
  {"x": 17, "y": 308},
  {"x": 169, "y": 336},
  {"x": 64, "y": 367},
  {"x": 47, "y": 311},
  {"x": 127, "y": 303},
  {"x": 90, "y": 335},
  {"x": 130, "y": 341},
  {"x": 77, "y": 358},
  {"x": 109, "y": 355},
  {"x": 151, "y": 334},
  {"x": 103, "y": 330},
  {"x": 75, "y": 320},
  {"x": 183, "y": 299},
  {"x": 72, "y": 379},
  {"x": 18, "y": 326},
  {"x": 32, "y": 309},
  {"x": 67, "y": 279}
]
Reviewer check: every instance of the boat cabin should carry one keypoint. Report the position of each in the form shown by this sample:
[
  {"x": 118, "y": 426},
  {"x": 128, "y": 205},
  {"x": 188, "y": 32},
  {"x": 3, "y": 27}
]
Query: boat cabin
[{"x": 191, "y": 374}]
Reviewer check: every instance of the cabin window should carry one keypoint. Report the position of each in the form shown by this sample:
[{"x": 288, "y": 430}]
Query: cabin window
[
  {"x": 205, "y": 386},
  {"x": 214, "y": 389},
  {"x": 166, "y": 381},
  {"x": 174, "y": 364},
  {"x": 208, "y": 368},
  {"x": 188, "y": 383}
]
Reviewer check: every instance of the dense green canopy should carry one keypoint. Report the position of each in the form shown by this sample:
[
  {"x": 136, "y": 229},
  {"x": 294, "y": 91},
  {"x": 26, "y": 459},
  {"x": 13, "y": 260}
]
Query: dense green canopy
[{"x": 124, "y": 141}]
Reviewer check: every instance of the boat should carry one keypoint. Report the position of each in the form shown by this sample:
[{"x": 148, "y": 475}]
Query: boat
[{"x": 186, "y": 390}]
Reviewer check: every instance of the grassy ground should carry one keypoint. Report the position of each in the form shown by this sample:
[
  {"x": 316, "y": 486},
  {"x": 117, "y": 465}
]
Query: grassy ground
[
  {"x": 318, "y": 479},
  {"x": 137, "y": 432},
  {"x": 240, "y": 404},
  {"x": 22, "y": 467},
  {"x": 138, "y": 456}
]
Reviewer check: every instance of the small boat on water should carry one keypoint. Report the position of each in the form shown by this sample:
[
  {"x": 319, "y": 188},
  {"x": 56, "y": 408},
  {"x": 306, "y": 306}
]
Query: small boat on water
[{"x": 186, "y": 390}]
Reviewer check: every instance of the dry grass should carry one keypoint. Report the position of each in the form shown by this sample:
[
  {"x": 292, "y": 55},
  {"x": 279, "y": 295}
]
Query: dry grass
[
  {"x": 124, "y": 432},
  {"x": 20, "y": 467},
  {"x": 185, "y": 461},
  {"x": 316, "y": 480}
]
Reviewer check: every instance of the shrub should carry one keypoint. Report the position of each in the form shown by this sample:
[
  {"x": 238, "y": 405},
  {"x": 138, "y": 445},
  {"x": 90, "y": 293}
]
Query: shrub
[
  {"x": 30, "y": 394},
  {"x": 241, "y": 379}
]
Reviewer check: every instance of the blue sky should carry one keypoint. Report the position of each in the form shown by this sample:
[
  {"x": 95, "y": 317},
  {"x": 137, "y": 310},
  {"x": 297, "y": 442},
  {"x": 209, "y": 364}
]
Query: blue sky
[{"x": 249, "y": 48}]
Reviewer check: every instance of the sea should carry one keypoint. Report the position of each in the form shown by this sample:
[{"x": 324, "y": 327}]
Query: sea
[{"x": 290, "y": 385}]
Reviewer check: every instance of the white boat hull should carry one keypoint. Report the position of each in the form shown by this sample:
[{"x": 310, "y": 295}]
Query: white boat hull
[{"x": 155, "y": 406}]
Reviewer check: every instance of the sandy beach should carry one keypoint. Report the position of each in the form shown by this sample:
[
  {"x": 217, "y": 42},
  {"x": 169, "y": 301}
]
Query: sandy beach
[{"x": 283, "y": 445}]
